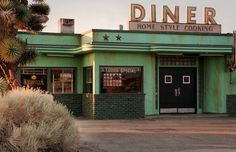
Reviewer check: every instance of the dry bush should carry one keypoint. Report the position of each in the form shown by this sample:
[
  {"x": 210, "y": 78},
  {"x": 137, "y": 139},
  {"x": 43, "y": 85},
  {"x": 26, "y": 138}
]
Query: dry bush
[{"x": 31, "y": 121}]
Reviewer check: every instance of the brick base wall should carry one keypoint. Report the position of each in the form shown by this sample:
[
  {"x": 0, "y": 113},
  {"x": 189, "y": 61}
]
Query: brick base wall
[
  {"x": 113, "y": 106},
  {"x": 231, "y": 104},
  {"x": 72, "y": 101}
]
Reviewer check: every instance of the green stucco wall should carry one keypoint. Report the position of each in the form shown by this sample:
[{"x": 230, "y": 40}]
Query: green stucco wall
[
  {"x": 215, "y": 84},
  {"x": 147, "y": 61},
  {"x": 54, "y": 61},
  {"x": 163, "y": 38},
  {"x": 88, "y": 60},
  {"x": 56, "y": 39}
]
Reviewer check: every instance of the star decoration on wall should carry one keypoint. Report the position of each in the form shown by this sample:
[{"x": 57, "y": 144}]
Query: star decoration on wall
[
  {"x": 118, "y": 38},
  {"x": 106, "y": 37}
]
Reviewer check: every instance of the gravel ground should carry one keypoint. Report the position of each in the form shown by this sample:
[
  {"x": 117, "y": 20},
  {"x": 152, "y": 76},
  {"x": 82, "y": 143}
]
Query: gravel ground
[{"x": 187, "y": 133}]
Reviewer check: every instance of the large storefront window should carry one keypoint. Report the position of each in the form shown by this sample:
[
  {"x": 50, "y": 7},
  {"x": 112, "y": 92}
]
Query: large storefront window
[
  {"x": 88, "y": 80},
  {"x": 62, "y": 80},
  {"x": 121, "y": 79},
  {"x": 34, "y": 78}
]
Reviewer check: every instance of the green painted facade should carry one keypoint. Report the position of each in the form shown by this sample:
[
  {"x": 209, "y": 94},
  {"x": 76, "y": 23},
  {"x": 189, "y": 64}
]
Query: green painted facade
[
  {"x": 147, "y": 61},
  {"x": 214, "y": 75},
  {"x": 91, "y": 49}
]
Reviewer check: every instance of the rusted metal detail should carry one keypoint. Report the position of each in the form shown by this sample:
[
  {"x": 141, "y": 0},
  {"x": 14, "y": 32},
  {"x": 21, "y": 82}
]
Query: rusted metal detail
[{"x": 232, "y": 62}]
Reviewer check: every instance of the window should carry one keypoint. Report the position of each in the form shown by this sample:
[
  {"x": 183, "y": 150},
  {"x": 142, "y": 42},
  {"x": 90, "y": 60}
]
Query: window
[
  {"x": 168, "y": 79},
  {"x": 178, "y": 60},
  {"x": 121, "y": 79},
  {"x": 62, "y": 80},
  {"x": 186, "y": 79},
  {"x": 34, "y": 78},
  {"x": 88, "y": 80}
]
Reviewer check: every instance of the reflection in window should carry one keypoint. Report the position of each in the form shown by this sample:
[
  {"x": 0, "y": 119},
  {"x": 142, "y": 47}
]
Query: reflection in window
[
  {"x": 121, "y": 79},
  {"x": 88, "y": 80},
  {"x": 34, "y": 78},
  {"x": 62, "y": 80}
]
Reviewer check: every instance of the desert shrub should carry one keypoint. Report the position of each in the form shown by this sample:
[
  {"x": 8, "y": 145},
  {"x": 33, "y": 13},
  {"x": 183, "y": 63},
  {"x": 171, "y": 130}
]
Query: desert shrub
[{"x": 31, "y": 121}]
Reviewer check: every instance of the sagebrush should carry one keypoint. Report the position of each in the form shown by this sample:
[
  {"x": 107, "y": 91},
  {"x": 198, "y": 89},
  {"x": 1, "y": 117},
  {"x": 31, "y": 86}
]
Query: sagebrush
[{"x": 31, "y": 121}]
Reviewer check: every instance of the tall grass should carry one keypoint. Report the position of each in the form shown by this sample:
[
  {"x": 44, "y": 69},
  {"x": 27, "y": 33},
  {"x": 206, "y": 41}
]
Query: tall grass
[{"x": 31, "y": 121}]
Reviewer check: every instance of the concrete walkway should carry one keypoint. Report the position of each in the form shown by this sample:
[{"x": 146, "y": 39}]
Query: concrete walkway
[{"x": 191, "y": 133}]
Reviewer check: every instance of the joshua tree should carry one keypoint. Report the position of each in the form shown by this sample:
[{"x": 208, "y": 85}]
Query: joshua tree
[{"x": 18, "y": 15}]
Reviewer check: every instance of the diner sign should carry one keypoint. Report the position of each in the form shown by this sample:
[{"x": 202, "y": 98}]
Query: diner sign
[{"x": 138, "y": 14}]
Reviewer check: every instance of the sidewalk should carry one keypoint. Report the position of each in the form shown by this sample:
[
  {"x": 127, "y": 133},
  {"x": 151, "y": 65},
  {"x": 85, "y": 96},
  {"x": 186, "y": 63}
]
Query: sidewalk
[{"x": 186, "y": 133}]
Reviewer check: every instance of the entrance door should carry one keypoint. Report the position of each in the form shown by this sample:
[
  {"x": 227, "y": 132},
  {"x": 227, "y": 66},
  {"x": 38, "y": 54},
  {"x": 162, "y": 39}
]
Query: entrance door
[{"x": 177, "y": 90}]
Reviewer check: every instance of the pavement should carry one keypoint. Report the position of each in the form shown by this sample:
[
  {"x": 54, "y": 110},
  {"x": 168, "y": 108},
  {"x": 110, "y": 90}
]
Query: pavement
[{"x": 171, "y": 133}]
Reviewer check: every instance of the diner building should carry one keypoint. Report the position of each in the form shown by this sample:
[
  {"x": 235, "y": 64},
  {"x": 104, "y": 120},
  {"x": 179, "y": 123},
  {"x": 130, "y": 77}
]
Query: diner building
[{"x": 122, "y": 74}]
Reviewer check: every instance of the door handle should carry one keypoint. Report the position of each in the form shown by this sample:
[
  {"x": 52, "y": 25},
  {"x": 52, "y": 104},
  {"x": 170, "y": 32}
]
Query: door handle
[
  {"x": 176, "y": 92},
  {"x": 179, "y": 92}
]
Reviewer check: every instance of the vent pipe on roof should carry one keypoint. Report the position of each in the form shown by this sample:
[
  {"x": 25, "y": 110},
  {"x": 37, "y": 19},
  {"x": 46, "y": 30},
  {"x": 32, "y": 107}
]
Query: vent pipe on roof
[
  {"x": 66, "y": 25},
  {"x": 121, "y": 27}
]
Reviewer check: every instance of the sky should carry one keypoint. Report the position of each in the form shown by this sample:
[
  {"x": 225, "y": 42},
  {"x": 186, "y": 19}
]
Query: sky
[{"x": 109, "y": 14}]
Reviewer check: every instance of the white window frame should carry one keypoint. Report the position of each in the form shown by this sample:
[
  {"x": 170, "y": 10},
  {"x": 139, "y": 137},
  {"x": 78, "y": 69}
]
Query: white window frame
[{"x": 165, "y": 79}]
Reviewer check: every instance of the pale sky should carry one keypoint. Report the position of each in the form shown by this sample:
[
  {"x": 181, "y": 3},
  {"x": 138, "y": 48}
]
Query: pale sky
[{"x": 109, "y": 14}]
